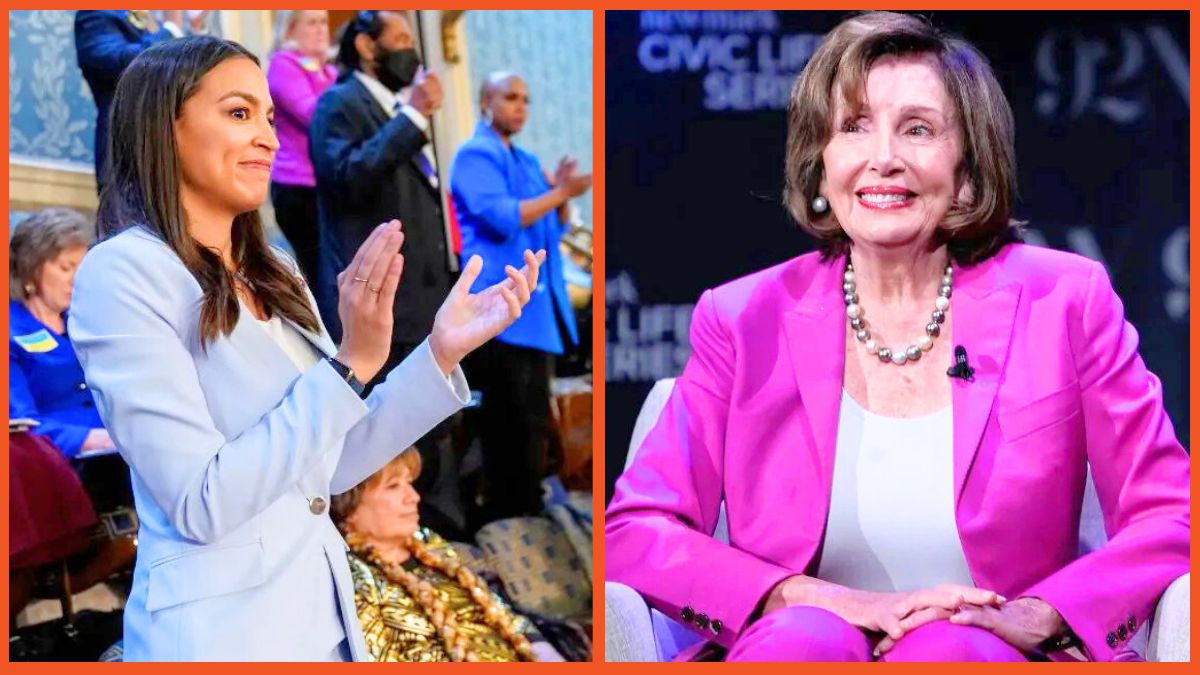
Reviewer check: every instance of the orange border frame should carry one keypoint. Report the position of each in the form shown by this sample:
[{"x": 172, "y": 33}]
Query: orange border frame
[{"x": 598, "y": 331}]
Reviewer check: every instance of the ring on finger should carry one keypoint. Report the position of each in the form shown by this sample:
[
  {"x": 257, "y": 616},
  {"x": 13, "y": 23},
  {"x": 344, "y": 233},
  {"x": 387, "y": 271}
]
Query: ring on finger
[
  {"x": 360, "y": 280},
  {"x": 373, "y": 289}
]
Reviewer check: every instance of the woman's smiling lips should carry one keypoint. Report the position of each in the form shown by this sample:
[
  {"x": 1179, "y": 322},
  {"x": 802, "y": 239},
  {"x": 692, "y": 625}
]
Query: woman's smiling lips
[
  {"x": 257, "y": 164},
  {"x": 885, "y": 197}
]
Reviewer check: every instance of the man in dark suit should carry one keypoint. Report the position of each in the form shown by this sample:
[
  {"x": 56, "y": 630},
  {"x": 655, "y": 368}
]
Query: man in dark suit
[
  {"x": 106, "y": 41},
  {"x": 369, "y": 141}
]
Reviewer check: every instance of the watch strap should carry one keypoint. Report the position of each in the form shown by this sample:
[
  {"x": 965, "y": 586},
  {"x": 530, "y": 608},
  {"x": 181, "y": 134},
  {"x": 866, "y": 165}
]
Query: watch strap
[{"x": 347, "y": 375}]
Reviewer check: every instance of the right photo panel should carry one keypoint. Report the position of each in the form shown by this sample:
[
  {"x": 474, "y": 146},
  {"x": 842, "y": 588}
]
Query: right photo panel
[{"x": 897, "y": 336}]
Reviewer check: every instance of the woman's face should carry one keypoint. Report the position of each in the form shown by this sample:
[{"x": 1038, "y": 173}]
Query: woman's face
[
  {"x": 893, "y": 171},
  {"x": 509, "y": 105},
  {"x": 310, "y": 32},
  {"x": 56, "y": 278},
  {"x": 387, "y": 510},
  {"x": 226, "y": 139}
]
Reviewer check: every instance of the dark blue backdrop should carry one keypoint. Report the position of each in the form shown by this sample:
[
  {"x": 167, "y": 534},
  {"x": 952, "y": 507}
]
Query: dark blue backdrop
[{"x": 695, "y": 140}]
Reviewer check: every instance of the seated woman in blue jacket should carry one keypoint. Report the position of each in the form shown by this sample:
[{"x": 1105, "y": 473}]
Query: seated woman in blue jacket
[
  {"x": 506, "y": 203},
  {"x": 45, "y": 380}
]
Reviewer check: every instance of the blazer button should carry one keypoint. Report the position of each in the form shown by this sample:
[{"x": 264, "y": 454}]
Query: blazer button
[
  {"x": 1131, "y": 623},
  {"x": 716, "y": 626},
  {"x": 702, "y": 620},
  {"x": 687, "y": 613},
  {"x": 317, "y": 505},
  {"x": 1122, "y": 633},
  {"x": 83, "y": 386},
  {"x": 1111, "y": 640}
]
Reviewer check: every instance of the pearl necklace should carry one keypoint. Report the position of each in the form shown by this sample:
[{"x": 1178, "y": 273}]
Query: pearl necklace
[{"x": 900, "y": 356}]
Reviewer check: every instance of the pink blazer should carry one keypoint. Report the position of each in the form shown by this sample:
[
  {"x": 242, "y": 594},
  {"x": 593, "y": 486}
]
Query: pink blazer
[{"x": 1058, "y": 385}]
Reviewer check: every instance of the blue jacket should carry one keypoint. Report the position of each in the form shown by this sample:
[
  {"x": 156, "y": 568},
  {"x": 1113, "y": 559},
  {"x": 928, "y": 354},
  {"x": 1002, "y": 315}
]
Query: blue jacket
[
  {"x": 45, "y": 382},
  {"x": 488, "y": 180},
  {"x": 105, "y": 43},
  {"x": 234, "y": 454}
]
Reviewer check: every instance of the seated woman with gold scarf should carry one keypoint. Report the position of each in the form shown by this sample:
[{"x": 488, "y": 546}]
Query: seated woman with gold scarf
[{"x": 417, "y": 599}]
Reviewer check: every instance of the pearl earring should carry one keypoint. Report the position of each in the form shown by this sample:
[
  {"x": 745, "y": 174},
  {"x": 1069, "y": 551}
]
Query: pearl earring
[{"x": 820, "y": 205}]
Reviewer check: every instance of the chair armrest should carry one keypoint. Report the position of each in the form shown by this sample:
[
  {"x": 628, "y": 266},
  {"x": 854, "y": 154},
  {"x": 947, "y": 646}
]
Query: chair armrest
[
  {"x": 1170, "y": 634},
  {"x": 628, "y": 633}
]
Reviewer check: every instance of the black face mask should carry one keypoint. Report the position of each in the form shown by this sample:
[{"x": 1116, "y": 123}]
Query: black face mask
[{"x": 396, "y": 69}]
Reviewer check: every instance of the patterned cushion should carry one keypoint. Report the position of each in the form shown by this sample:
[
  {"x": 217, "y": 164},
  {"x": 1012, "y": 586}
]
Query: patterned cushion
[
  {"x": 475, "y": 559},
  {"x": 540, "y": 570}
]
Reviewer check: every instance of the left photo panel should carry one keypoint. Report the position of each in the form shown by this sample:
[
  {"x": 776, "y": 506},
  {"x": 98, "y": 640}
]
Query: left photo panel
[{"x": 300, "y": 356}]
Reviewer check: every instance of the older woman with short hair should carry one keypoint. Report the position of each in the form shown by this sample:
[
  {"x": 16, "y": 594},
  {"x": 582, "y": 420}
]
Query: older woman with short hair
[
  {"x": 45, "y": 381},
  {"x": 417, "y": 598},
  {"x": 900, "y": 424}
]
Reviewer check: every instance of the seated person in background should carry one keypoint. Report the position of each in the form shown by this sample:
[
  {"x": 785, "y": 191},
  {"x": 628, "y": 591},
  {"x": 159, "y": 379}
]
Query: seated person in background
[
  {"x": 45, "y": 380},
  {"x": 416, "y": 599}
]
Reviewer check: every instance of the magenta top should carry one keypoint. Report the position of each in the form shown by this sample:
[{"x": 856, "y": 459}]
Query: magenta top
[{"x": 296, "y": 82}]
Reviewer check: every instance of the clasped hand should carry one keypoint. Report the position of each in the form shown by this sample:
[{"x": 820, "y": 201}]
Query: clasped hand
[{"x": 1023, "y": 623}]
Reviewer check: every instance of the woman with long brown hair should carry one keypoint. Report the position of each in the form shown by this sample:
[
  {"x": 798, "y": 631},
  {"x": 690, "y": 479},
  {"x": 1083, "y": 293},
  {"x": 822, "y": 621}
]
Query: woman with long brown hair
[{"x": 237, "y": 414}]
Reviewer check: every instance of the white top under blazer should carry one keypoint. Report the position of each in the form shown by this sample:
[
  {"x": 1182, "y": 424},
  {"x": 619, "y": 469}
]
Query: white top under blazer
[
  {"x": 891, "y": 518},
  {"x": 299, "y": 350}
]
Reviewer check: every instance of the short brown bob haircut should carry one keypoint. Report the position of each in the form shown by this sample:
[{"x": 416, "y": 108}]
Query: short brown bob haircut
[
  {"x": 38, "y": 240},
  {"x": 972, "y": 231},
  {"x": 344, "y": 505}
]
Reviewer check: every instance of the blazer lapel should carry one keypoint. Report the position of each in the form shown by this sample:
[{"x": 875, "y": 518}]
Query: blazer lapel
[
  {"x": 320, "y": 341},
  {"x": 378, "y": 115},
  {"x": 816, "y": 342},
  {"x": 984, "y": 311}
]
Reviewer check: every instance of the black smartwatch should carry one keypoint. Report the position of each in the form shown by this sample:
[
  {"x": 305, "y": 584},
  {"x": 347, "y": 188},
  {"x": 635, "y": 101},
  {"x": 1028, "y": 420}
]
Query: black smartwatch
[{"x": 347, "y": 375}]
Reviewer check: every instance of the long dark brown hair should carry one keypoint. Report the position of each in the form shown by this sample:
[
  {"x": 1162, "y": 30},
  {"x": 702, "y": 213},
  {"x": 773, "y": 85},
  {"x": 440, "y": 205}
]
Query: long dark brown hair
[{"x": 142, "y": 188}]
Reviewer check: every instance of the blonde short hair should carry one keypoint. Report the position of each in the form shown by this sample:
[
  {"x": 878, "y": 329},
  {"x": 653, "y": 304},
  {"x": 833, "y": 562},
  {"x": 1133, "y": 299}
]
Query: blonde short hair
[
  {"x": 973, "y": 230},
  {"x": 285, "y": 20},
  {"x": 39, "y": 239}
]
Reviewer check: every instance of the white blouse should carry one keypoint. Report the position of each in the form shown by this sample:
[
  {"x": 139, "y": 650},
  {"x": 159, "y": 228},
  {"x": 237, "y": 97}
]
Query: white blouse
[
  {"x": 891, "y": 517},
  {"x": 295, "y": 345}
]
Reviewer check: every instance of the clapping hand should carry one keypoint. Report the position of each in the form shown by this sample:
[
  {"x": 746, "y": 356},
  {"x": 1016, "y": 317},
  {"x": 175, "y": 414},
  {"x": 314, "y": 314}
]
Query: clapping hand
[
  {"x": 465, "y": 320},
  {"x": 366, "y": 295},
  {"x": 565, "y": 178}
]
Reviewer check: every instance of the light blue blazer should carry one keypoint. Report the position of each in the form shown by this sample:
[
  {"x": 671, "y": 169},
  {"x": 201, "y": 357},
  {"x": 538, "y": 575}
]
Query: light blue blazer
[{"x": 229, "y": 449}]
